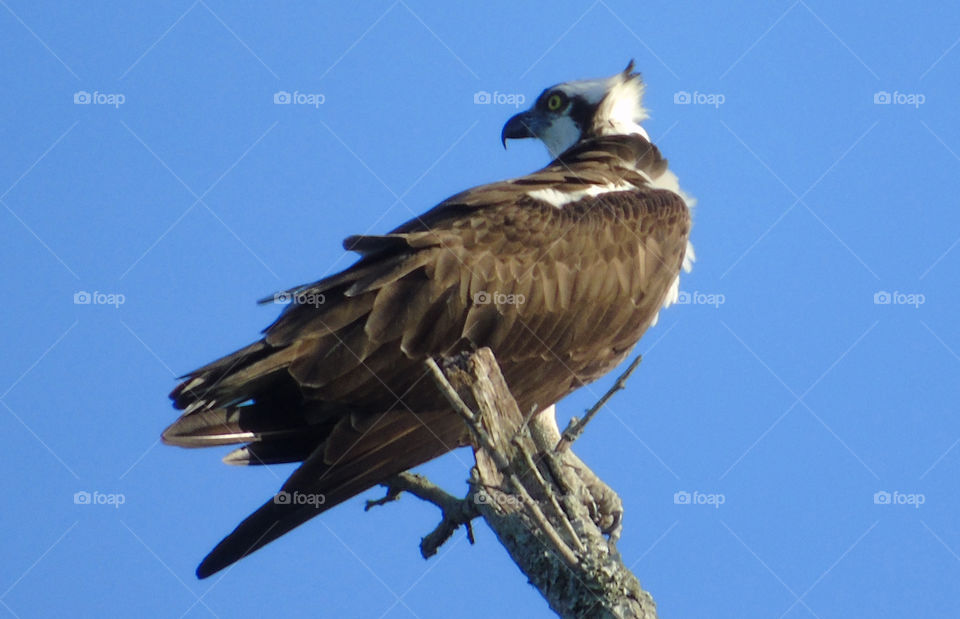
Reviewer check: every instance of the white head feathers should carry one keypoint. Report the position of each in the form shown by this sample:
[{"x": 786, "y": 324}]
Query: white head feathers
[{"x": 566, "y": 113}]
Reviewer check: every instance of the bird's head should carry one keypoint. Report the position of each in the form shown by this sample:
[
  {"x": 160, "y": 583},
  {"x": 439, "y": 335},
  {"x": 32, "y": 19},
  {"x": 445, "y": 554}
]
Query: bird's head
[{"x": 567, "y": 113}]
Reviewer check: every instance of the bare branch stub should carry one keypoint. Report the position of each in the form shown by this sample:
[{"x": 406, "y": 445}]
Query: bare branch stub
[
  {"x": 455, "y": 512},
  {"x": 577, "y": 426}
]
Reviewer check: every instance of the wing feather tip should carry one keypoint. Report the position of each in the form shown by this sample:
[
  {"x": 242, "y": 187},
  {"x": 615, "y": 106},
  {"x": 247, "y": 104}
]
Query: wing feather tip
[
  {"x": 172, "y": 436},
  {"x": 238, "y": 457},
  {"x": 205, "y": 570}
]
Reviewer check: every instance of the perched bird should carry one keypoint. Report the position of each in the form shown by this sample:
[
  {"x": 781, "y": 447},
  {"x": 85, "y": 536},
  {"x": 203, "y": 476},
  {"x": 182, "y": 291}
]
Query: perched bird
[{"x": 559, "y": 272}]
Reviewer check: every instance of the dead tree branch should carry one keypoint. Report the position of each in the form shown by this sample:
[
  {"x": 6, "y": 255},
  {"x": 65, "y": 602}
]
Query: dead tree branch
[{"x": 548, "y": 509}]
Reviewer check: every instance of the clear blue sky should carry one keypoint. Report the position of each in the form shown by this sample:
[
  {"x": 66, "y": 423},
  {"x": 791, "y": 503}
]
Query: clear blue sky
[{"x": 184, "y": 188}]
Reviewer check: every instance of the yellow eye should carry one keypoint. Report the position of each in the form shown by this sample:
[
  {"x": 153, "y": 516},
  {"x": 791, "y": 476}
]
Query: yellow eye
[{"x": 554, "y": 103}]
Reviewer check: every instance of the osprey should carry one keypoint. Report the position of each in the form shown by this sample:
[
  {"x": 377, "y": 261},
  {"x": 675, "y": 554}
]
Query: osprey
[{"x": 559, "y": 272}]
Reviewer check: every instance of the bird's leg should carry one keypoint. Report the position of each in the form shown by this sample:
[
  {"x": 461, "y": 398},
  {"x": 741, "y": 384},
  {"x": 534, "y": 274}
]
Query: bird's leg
[
  {"x": 606, "y": 508},
  {"x": 604, "y": 505}
]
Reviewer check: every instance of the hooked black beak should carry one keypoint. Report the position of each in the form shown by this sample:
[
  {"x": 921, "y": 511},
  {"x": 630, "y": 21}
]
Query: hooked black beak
[{"x": 522, "y": 125}]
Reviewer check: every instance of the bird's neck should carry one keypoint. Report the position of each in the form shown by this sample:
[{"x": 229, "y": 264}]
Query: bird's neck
[{"x": 614, "y": 126}]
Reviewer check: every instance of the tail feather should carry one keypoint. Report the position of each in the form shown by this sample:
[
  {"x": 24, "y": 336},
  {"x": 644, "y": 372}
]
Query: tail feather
[
  {"x": 402, "y": 442},
  {"x": 252, "y": 422}
]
